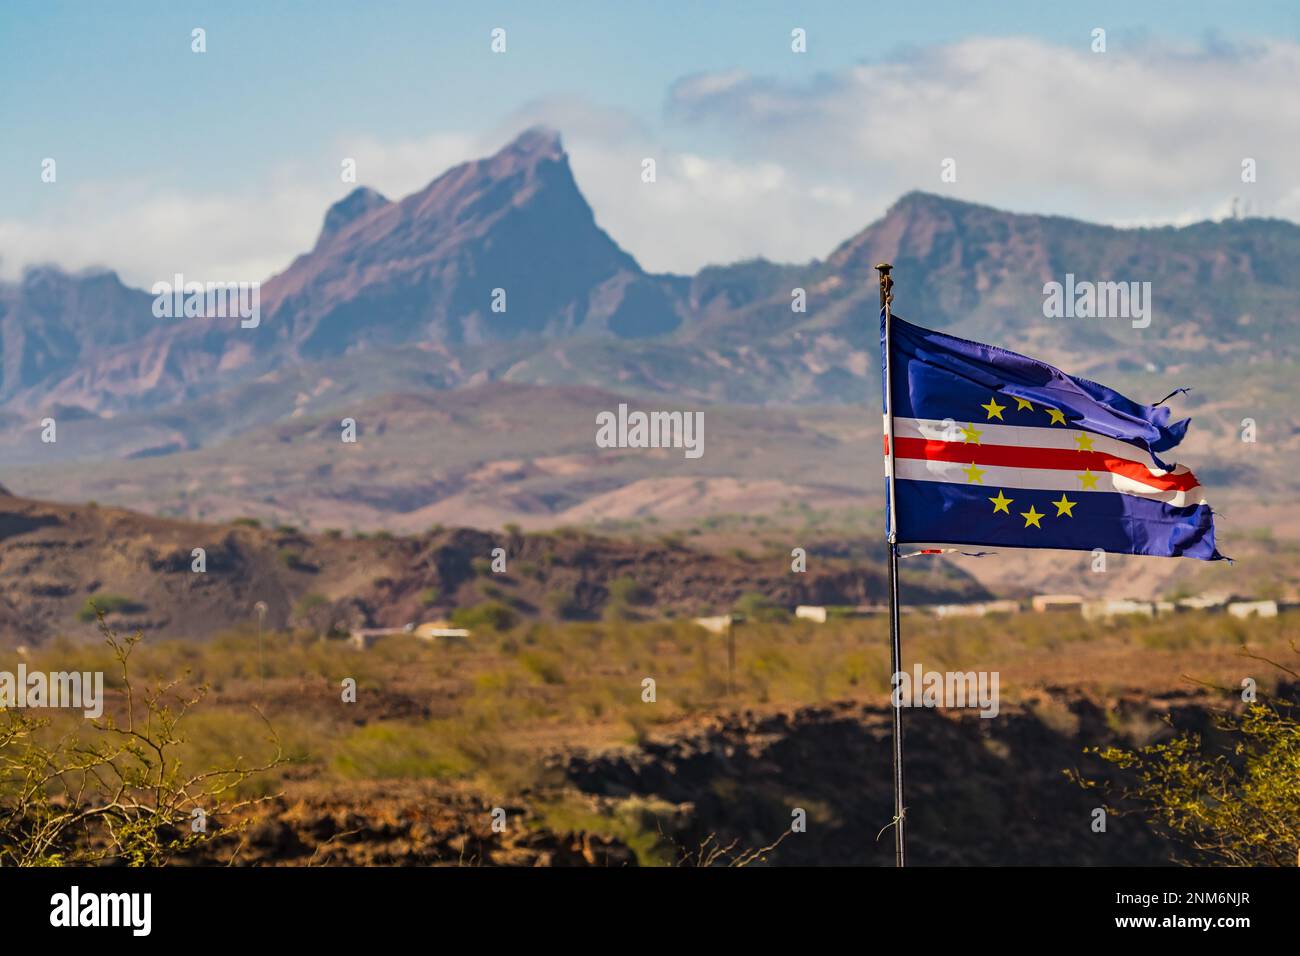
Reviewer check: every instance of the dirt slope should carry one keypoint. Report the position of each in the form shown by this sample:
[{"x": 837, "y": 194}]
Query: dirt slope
[{"x": 54, "y": 558}]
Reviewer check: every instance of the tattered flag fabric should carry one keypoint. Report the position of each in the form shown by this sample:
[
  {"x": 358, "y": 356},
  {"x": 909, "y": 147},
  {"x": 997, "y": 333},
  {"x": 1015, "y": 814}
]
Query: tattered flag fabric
[{"x": 995, "y": 448}]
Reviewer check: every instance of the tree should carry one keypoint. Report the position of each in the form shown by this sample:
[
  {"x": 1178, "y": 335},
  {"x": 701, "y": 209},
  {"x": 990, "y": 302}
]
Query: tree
[
  {"x": 489, "y": 614},
  {"x": 755, "y": 606},
  {"x": 119, "y": 794},
  {"x": 1238, "y": 805}
]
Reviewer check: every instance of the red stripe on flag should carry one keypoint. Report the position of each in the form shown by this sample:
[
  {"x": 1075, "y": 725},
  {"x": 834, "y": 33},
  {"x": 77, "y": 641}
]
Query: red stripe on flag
[{"x": 1055, "y": 459}]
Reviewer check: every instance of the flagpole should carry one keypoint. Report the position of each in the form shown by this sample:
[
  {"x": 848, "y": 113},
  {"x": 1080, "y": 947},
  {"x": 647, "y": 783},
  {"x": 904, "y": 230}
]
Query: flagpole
[{"x": 895, "y": 645}]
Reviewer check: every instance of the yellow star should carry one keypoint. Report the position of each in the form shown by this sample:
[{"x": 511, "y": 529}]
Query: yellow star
[
  {"x": 1064, "y": 505},
  {"x": 1031, "y": 517},
  {"x": 974, "y": 474},
  {"x": 1000, "y": 502},
  {"x": 1088, "y": 480},
  {"x": 1057, "y": 416},
  {"x": 1022, "y": 404},
  {"x": 1084, "y": 440},
  {"x": 994, "y": 409},
  {"x": 972, "y": 434}
]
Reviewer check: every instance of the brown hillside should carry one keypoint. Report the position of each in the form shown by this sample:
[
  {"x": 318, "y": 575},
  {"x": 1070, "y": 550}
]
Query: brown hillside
[{"x": 56, "y": 559}]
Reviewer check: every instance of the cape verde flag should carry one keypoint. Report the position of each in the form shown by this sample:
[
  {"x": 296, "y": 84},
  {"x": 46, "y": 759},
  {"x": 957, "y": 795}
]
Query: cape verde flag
[{"x": 994, "y": 448}]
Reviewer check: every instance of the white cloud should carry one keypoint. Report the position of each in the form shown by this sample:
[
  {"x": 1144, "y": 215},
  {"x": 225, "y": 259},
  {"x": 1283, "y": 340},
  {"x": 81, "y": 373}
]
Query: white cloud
[
  {"x": 753, "y": 166},
  {"x": 703, "y": 210},
  {"x": 1149, "y": 134},
  {"x": 146, "y": 235}
]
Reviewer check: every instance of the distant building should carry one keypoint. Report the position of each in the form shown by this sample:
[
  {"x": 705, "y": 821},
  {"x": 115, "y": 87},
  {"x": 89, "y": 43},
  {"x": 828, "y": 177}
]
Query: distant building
[
  {"x": 860, "y": 610},
  {"x": 1094, "y": 610},
  {"x": 975, "y": 609},
  {"x": 720, "y": 624},
  {"x": 1002, "y": 607},
  {"x": 810, "y": 612},
  {"x": 363, "y": 637},
  {"x": 433, "y": 630},
  {"x": 959, "y": 610},
  {"x": 1204, "y": 602},
  {"x": 1253, "y": 609},
  {"x": 1056, "y": 602}
]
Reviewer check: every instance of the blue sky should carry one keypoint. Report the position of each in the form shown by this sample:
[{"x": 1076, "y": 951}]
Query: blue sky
[{"x": 132, "y": 116}]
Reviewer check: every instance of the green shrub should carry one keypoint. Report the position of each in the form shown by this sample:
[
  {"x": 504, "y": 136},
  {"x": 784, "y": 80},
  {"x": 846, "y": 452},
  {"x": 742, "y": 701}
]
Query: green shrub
[
  {"x": 1237, "y": 805},
  {"x": 628, "y": 591},
  {"x": 293, "y": 560},
  {"x": 390, "y": 750},
  {"x": 616, "y": 610},
  {"x": 546, "y": 667},
  {"x": 490, "y": 614},
  {"x": 118, "y": 791},
  {"x": 109, "y": 604},
  {"x": 759, "y": 607}
]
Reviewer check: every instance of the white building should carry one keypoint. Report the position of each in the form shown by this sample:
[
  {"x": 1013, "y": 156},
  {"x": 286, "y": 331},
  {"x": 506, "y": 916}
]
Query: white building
[
  {"x": 959, "y": 610},
  {"x": 1056, "y": 602},
  {"x": 1204, "y": 602},
  {"x": 432, "y": 630},
  {"x": 720, "y": 624},
  {"x": 1095, "y": 610},
  {"x": 1253, "y": 609},
  {"x": 1001, "y": 607}
]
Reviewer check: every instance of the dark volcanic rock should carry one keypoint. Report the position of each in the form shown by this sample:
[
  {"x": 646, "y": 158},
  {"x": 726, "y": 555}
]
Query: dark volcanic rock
[{"x": 979, "y": 792}]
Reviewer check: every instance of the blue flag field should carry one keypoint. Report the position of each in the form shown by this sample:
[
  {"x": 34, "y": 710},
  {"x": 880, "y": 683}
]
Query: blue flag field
[{"x": 992, "y": 448}]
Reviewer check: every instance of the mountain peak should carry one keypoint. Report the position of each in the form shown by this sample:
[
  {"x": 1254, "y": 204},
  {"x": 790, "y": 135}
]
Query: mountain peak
[
  {"x": 44, "y": 275},
  {"x": 356, "y": 204},
  {"x": 536, "y": 142},
  {"x": 426, "y": 267},
  {"x": 534, "y": 148},
  {"x": 917, "y": 203},
  {"x": 911, "y": 226}
]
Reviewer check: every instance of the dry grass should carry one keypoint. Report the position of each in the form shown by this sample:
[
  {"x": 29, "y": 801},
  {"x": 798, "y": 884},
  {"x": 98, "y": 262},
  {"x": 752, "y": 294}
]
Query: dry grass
[{"x": 487, "y": 710}]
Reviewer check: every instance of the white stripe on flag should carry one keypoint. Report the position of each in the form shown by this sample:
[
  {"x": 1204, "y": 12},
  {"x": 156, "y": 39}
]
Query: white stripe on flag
[
  {"x": 994, "y": 477},
  {"x": 1024, "y": 436},
  {"x": 1027, "y": 456}
]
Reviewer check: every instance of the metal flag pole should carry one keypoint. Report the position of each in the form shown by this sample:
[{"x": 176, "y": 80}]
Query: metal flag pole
[{"x": 895, "y": 645}]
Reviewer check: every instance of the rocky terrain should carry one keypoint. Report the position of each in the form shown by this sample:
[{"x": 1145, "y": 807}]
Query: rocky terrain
[{"x": 980, "y": 793}]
